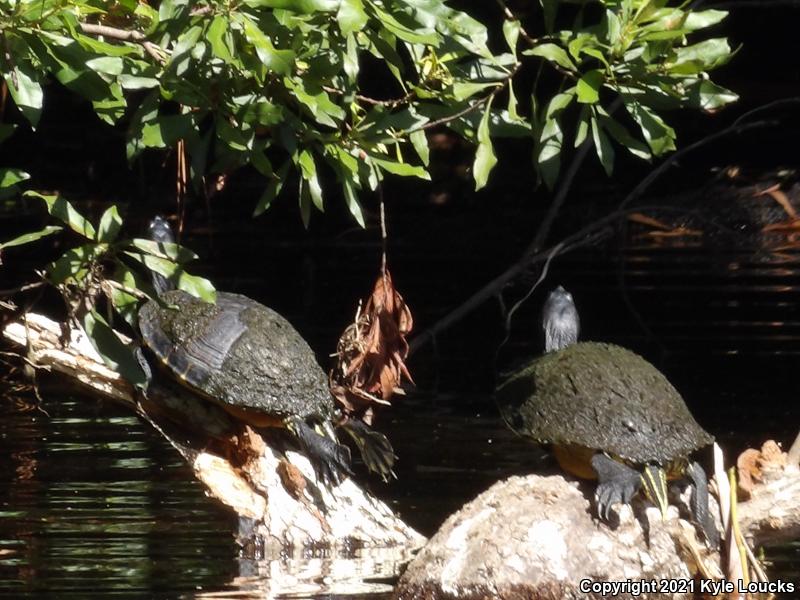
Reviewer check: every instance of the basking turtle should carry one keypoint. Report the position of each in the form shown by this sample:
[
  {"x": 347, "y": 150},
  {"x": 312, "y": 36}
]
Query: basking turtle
[
  {"x": 248, "y": 359},
  {"x": 609, "y": 415}
]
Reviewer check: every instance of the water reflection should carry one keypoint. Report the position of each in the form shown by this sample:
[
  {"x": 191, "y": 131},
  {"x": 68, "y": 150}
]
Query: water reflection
[{"x": 95, "y": 505}]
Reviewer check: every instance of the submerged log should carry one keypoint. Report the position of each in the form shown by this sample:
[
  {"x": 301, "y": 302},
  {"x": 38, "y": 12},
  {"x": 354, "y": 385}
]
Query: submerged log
[
  {"x": 535, "y": 537},
  {"x": 272, "y": 488}
]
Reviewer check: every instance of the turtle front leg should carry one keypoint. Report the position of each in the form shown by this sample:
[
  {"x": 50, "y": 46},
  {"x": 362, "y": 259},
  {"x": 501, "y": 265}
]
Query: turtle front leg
[
  {"x": 699, "y": 503},
  {"x": 331, "y": 460},
  {"x": 616, "y": 482}
]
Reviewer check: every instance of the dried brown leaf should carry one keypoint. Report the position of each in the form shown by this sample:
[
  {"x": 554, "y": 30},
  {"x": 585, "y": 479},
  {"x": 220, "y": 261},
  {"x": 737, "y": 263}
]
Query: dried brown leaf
[{"x": 371, "y": 352}]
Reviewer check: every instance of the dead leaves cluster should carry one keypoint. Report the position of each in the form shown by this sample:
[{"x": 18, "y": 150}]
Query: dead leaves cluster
[
  {"x": 371, "y": 352},
  {"x": 752, "y": 465}
]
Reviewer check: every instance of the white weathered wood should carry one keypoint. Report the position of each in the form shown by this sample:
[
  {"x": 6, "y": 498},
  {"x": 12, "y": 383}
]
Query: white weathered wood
[
  {"x": 296, "y": 516},
  {"x": 535, "y": 537}
]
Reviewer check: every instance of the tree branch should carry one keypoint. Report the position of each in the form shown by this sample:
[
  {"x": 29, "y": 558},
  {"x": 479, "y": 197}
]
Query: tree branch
[
  {"x": 533, "y": 254},
  {"x": 125, "y": 35}
]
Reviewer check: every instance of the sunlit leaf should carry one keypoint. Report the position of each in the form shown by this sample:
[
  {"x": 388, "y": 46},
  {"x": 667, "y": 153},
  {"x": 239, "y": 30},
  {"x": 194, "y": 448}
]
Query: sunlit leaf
[
  {"x": 167, "y": 250},
  {"x": 110, "y": 224},
  {"x": 27, "y": 238},
  {"x": 62, "y": 210},
  {"x": 485, "y": 159},
  {"x": 191, "y": 284},
  {"x": 117, "y": 355}
]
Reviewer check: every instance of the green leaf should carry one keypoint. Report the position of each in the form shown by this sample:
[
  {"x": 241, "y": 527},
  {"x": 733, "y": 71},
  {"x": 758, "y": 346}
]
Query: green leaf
[
  {"x": 466, "y": 89},
  {"x": 27, "y": 238},
  {"x": 352, "y": 200},
  {"x": 73, "y": 266},
  {"x": 272, "y": 190},
  {"x": 309, "y": 171},
  {"x": 411, "y": 34},
  {"x": 485, "y": 159},
  {"x": 27, "y": 94},
  {"x": 136, "y": 82},
  {"x": 420, "y": 142},
  {"x": 299, "y": 6},
  {"x": 304, "y": 201},
  {"x": 62, "y": 210},
  {"x": 279, "y": 61},
  {"x": 166, "y": 250},
  {"x": 9, "y": 178},
  {"x": 603, "y": 147},
  {"x": 117, "y": 355},
  {"x": 583, "y": 126},
  {"x": 589, "y": 85},
  {"x": 707, "y": 95},
  {"x": 704, "y": 18},
  {"x": 111, "y": 65},
  {"x": 191, "y": 284},
  {"x": 511, "y": 30},
  {"x": 219, "y": 39},
  {"x": 351, "y": 16},
  {"x": 127, "y": 304},
  {"x": 551, "y": 139},
  {"x": 622, "y": 136},
  {"x": 110, "y": 224},
  {"x": 399, "y": 168},
  {"x": 710, "y": 54},
  {"x": 553, "y": 53},
  {"x": 658, "y": 135}
]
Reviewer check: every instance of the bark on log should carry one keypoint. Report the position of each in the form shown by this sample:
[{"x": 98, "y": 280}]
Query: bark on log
[
  {"x": 277, "y": 490},
  {"x": 535, "y": 537}
]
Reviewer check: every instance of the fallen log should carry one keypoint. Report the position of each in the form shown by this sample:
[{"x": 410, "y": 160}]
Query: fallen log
[
  {"x": 535, "y": 537},
  {"x": 273, "y": 488}
]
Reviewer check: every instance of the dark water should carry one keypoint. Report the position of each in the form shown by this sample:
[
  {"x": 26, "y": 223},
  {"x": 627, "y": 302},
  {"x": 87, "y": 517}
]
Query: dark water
[{"x": 93, "y": 504}]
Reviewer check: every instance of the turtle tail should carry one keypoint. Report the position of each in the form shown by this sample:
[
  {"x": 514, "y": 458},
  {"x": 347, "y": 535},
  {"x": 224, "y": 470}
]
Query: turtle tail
[
  {"x": 375, "y": 448},
  {"x": 654, "y": 483}
]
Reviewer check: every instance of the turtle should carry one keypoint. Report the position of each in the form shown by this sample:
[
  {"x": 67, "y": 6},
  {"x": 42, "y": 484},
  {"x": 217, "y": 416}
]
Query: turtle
[
  {"x": 249, "y": 360},
  {"x": 607, "y": 414}
]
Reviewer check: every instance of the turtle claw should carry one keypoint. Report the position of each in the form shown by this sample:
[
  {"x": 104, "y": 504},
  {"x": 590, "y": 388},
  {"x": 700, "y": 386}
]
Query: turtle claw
[
  {"x": 374, "y": 447},
  {"x": 331, "y": 460},
  {"x": 617, "y": 484}
]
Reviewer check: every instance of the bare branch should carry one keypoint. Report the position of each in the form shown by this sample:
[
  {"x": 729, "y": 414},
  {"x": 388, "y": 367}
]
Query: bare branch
[{"x": 125, "y": 35}]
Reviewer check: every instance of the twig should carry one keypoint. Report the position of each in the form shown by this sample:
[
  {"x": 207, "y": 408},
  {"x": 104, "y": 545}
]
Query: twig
[
  {"x": 458, "y": 115},
  {"x": 125, "y": 35},
  {"x": 737, "y": 127},
  {"x": 22, "y": 288},
  {"x": 384, "y": 237},
  {"x": 578, "y": 239},
  {"x": 528, "y": 258},
  {"x": 501, "y": 85},
  {"x": 374, "y": 101}
]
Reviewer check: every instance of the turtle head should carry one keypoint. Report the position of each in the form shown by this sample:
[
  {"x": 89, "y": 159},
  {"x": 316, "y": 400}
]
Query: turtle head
[
  {"x": 559, "y": 320},
  {"x": 160, "y": 231},
  {"x": 654, "y": 484}
]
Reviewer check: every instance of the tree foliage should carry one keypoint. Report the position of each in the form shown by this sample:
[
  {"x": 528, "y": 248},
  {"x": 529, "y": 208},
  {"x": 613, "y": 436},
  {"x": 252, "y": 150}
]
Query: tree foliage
[
  {"x": 281, "y": 84},
  {"x": 292, "y": 87}
]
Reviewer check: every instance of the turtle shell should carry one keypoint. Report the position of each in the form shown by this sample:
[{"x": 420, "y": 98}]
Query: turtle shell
[
  {"x": 237, "y": 352},
  {"x": 601, "y": 397}
]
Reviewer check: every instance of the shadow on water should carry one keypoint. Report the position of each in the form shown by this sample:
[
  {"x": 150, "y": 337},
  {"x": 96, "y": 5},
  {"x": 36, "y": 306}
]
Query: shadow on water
[{"x": 95, "y": 505}]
